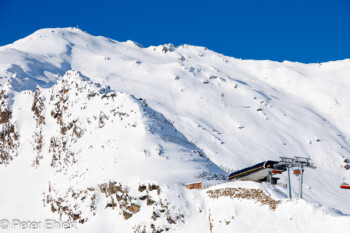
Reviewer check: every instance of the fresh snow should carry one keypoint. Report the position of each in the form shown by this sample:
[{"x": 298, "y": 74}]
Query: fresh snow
[{"x": 170, "y": 116}]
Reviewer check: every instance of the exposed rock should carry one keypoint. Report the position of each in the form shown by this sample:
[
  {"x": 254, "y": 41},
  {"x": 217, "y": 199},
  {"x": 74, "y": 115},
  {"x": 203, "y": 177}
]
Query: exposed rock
[
  {"x": 69, "y": 204},
  {"x": 154, "y": 187},
  {"x": 8, "y": 143},
  {"x": 170, "y": 220},
  {"x": 8, "y": 136},
  {"x": 130, "y": 205},
  {"x": 149, "y": 201},
  {"x": 5, "y": 116},
  {"x": 142, "y": 188},
  {"x": 133, "y": 208},
  {"x": 155, "y": 216},
  {"x": 127, "y": 215},
  {"x": 37, "y": 108},
  {"x": 110, "y": 188},
  {"x": 245, "y": 193},
  {"x": 143, "y": 197}
]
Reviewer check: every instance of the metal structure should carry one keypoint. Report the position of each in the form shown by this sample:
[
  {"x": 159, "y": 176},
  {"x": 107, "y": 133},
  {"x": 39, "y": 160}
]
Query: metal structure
[
  {"x": 261, "y": 172},
  {"x": 300, "y": 163},
  {"x": 344, "y": 185},
  {"x": 264, "y": 171}
]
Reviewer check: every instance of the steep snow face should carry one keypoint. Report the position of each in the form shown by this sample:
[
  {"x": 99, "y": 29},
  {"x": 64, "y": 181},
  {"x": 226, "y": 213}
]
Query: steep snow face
[
  {"x": 199, "y": 110},
  {"x": 77, "y": 124},
  {"x": 77, "y": 139}
]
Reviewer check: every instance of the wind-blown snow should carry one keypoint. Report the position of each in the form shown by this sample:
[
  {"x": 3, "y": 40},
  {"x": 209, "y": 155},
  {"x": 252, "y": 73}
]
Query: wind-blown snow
[{"x": 191, "y": 111}]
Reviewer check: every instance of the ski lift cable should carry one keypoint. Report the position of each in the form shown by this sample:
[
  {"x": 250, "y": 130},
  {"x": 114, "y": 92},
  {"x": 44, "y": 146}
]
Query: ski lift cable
[
  {"x": 330, "y": 173},
  {"x": 343, "y": 185}
]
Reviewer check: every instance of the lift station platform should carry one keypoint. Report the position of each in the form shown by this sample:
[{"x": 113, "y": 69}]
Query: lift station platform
[{"x": 261, "y": 172}]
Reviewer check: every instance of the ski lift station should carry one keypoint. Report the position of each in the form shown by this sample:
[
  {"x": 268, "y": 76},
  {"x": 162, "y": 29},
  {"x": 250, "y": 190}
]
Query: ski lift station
[
  {"x": 265, "y": 171},
  {"x": 261, "y": 172}
]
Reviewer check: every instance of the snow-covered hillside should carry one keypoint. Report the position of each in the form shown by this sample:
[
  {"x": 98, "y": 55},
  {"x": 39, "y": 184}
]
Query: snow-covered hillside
[{"x": 108, "y": 133}]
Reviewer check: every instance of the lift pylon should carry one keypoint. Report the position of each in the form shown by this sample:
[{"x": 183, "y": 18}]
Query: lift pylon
[{"x": 300, "y": 163}]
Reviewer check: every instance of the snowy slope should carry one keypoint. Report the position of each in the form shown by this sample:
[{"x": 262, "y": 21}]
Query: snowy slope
[
  {"x": 189, "y": 111},
  {"x": 76, "y": 137}
]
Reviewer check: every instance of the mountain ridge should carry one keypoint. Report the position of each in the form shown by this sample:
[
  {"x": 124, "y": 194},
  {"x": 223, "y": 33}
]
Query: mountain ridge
[{"x": 203, "y": 112}]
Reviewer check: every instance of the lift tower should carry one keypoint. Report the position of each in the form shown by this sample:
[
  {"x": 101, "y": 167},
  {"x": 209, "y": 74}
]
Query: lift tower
[{"x": 300, "y": 163}]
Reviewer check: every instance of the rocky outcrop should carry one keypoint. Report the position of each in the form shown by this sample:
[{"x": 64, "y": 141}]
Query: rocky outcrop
[
  {"x": 149, "y": 195},
  {"x": 37, "y": 108},
  {"x": 72, "y": 205},
  {"x": 245, "y": 193},
  {"x": 8, "y": 143},
  {"x": 8, "y": 136},
  {"x": 5, "y": 116}
]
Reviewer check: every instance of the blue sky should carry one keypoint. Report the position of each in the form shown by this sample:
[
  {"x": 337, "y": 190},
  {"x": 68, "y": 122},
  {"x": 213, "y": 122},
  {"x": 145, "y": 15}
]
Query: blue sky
[{"x": 299, "y": 30}]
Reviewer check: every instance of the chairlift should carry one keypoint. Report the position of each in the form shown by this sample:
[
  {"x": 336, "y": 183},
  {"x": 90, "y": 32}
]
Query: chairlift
[
  {"x": 297, "y": 172},
  {"x": 276, "y": 171},
  {"x": 344, "y": 185}
]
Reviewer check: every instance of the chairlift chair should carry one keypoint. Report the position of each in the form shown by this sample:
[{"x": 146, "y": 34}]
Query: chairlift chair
[
  {"x": 344, "y": 185},
  {"x": 297, "y": 172},
  {"x": 276, "y": 171}
]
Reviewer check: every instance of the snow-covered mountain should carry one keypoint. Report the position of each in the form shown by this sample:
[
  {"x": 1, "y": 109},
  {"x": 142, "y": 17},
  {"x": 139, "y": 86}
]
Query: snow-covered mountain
[{"x": 108, "y": 133}]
